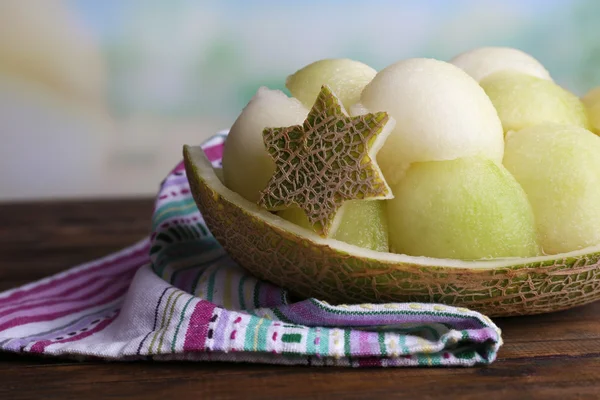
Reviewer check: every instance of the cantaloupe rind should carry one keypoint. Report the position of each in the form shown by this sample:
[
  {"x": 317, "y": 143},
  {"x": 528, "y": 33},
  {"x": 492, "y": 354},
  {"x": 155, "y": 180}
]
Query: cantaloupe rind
[{"x": 285, "y": 254}]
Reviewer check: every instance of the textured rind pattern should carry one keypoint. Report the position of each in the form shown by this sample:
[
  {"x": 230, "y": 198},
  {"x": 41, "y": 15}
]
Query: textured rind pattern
[
  {"x": 314, "y": 270},
  {"x": 324, "y": 162}
]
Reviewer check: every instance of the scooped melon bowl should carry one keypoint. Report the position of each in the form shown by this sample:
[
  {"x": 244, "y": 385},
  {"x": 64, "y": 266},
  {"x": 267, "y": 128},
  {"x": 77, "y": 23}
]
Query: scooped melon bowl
[{"x": 307, "y": 265}]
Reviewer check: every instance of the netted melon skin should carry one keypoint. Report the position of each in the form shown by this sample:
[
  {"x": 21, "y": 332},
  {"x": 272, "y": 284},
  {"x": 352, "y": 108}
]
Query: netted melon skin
[{"x": 309, "y": 269}]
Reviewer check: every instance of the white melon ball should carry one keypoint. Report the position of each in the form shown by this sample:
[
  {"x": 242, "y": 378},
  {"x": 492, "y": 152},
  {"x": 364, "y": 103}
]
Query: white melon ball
[
  {"x": 523, "y": 101},
  {"x": 558, "y": 166},
  {"x": 592, "y": 103},
  {"x": 468, "y": 208},
  {"x": 345, "y": 77},
  {"x": 247, "y": 167},
  {"x": 484, "y": 61},
  {"x": 441, "y": 113}
]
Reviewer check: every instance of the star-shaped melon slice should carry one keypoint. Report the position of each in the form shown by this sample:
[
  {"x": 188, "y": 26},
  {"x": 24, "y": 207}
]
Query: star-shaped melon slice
[{"x": 327, "y": 160}]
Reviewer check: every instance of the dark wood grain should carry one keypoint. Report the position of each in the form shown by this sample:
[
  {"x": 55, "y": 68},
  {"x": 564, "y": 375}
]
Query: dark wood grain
[{"x": 552, "y": 356}]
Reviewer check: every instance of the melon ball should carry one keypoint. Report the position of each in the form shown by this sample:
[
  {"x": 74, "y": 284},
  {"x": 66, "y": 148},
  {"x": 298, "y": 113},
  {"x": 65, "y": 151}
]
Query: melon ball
[
  {"x": 362, "y": 223},
  {"x": 247, "y": 167},
  {"x": 592, "y": 103},
  {"x": 345, "y": 77},
  {"x": 441, "y": 113},
  {"x": 558, "y": 166},
  {"x": 523, "y": 101},
  {"x": 468, "y": 208},
  {"x": 484, "y": 61}
]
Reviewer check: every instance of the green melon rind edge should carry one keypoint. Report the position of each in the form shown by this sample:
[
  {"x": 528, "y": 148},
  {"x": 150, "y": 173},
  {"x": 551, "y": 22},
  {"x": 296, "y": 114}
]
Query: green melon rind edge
[{"x": 276, "y": 250}]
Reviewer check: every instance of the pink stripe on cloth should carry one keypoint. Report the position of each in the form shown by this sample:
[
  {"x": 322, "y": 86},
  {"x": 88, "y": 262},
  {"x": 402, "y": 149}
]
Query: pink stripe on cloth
[
  {"x": 40, "y": 346},
  {"x": 124, "y": 261},
  {"x": 90, "y": 283},
  {"x": 178, "y": 168},
  {"x": 66, "y": 292},
  {"x": 363, "y": 340},
  {"x": 45, "y": 303},
  {"x": 22, "y": 320},
  {"x": 214, "y": 152},
  {"x": 195, "y": 337}
]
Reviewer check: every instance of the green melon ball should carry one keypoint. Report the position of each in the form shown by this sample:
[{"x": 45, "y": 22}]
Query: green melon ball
[
  {"x": 441, "y": 113},
  {"x": 247, "y": 167},
  {"x": 469, "y": 208},
  {"x": 484, "y": 61},
  {"x": 592, "y": 103},
  {"x": 362, "y": 223},
  {"x": 558, "y": 166},
  {"x": 523, "y": 101},
  {"x": 345, "y": 77}
]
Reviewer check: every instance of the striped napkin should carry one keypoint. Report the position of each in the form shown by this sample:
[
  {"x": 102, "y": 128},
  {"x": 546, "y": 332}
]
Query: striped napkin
[{"x": 178, "y": 296}]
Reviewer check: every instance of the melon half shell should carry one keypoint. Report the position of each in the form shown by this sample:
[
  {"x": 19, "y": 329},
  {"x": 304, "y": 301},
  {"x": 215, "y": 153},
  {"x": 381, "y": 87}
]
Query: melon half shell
[{"x": 287, "y": 255}]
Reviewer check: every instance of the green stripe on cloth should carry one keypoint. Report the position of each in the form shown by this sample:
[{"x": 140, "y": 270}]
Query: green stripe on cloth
[
  {"x": 249, "y": 338},
  {"x": 261, "y": 341},
  {"x": 256, "y": 295},
  {"x": 194, "y": 289},
  {"x": 162, "y": 321},
  {"x": 165, "y": 263},
  {"x": 241, "y": 292},
  {"x": 291, "y": 338},
  {"x": 171, "y": 313},
  {"x": 281, "y": 316},
  {"x": 381, "y": 339},
  {"x": 347, "y": 346},
  {"x": 341, "y": 311},
  {"x": 402, "y": 344},
  {"x": 211, "y": 285},
  {"x": 324, "y": 341},
  {"x": 198, "y": 264},
  {"x": 310, "y": 341},
  {"x": 173, "y": 209},
  {"x": 181, "y": 319}
]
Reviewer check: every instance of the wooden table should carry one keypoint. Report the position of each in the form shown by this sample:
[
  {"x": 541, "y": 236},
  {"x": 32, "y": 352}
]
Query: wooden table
[{"x": 547, "y": 356}]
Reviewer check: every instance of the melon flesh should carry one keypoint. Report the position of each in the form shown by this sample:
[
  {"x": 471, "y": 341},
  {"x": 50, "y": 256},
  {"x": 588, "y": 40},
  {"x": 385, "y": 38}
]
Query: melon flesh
[
  {"x": 441, "y": 113},
  {"x": 247, "y": 167},
  {"x": 559, "y": 168},
  {"x": 484, "y": 61},
  {"x": 592, "y": 103},
  {"x": 362, "y": 223},
  {"x": 345, "y": 77},
  {"x": 468, "y": 208},
  {"x": 308, "y": 265},
  {"x": 523, "y": 101}
]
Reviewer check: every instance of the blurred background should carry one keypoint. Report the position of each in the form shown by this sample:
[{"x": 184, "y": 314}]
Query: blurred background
[{"x": 97, "y": 97}]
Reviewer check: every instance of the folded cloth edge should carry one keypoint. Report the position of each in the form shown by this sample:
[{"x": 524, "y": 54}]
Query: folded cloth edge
[{"x": 130, "y": 305}]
